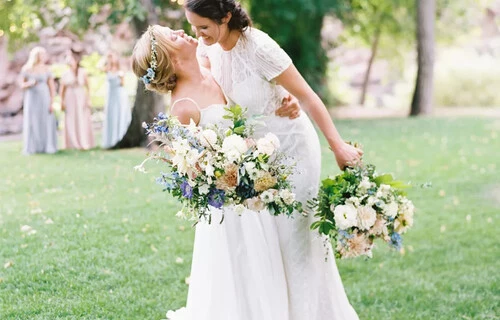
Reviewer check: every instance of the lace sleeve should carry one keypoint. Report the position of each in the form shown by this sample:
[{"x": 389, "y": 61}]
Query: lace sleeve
[{"x": 271, "y": 59}]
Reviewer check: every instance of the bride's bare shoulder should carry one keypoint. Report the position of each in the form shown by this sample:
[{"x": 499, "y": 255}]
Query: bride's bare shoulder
[{"x": 184, "y": 108}]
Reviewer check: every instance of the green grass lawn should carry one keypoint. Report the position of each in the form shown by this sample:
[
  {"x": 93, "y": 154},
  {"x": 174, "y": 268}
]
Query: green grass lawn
[{"x": 108, "y": 245}]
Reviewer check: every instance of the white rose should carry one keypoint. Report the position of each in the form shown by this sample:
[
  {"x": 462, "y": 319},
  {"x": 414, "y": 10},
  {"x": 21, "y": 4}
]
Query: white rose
[
  {"x": 345, "y": 216},
  {"x": 255, "y": 204},
  {"x": 208, "y": 138},
  {"x": 366, "y": 217},
  {"x": 268, "y": 144},
  {"x": 391, "y": 209},
  {"x": 233, "y": 147},
  {"x": 273, "y": 139},
  {"x": 287, "y": 196}
]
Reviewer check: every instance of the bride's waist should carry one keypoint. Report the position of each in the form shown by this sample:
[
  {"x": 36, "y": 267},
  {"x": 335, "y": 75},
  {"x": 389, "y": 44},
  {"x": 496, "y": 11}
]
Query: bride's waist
[{"x": 284, "y": 125}]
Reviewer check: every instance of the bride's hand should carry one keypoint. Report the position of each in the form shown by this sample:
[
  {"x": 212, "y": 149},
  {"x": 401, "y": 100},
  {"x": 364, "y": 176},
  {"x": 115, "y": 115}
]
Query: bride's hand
[
  {"x": 290, "y": 108},
  {"x": 347, "y": 155}
]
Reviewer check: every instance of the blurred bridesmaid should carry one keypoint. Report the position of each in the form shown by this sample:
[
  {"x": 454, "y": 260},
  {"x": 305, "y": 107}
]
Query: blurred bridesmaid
[
  {"x": 117, "y": 111},
  {"x": 75, "y": 101},
  {"x": 39, "y": 122}
]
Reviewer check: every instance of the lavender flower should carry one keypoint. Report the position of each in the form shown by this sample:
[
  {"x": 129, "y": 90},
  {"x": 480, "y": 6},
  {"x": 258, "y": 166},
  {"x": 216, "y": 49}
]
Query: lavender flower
[
  {"x": 187, "y": 190},
  {"x": 162, "y": 116},
  {"x": 216, "y": 198}
]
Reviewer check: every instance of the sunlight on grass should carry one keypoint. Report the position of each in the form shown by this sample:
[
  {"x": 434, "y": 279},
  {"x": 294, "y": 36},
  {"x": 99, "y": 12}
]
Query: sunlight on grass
[{"x": 84, "y": 236}]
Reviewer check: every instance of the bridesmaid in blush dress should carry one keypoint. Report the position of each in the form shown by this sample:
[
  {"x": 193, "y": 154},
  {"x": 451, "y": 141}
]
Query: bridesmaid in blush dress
[
  {"x": 39, "y": 122},
  {"x": 117, "y": 110},
  {"x": 75, "y": 101}
]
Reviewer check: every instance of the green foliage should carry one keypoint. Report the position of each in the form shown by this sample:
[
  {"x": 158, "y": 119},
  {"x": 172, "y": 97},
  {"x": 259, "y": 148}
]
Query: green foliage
[
  {"x": 17, "y": 20},
  {"x": 363, "y": 19},
  {"x": 22, "y": 19},
  {"x": 237, "y": 115},
  {"x": 396, "y": 19},
  {"x": 467, "y": 80},
  {"x": 296, "y": 26}
]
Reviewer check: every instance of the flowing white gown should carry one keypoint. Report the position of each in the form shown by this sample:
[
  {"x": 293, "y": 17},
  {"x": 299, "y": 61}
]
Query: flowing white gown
[{"x": 257, "y": 266}]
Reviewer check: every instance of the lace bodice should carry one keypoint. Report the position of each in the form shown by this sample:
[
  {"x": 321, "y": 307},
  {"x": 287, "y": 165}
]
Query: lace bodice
[{"x": 245, "y": 72}]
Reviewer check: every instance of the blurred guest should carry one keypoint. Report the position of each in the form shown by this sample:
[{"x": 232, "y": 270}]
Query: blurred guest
[
  {"x": 75, "y": 101},
  {"x": 117, "y": 111},
  {"x": 39, "y": 123}
]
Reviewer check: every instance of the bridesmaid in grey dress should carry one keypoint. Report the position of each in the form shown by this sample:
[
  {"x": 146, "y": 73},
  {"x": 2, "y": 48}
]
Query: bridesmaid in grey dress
[
  {"x": 117, "y": 110},
  {"x": 39, "y": 123}
]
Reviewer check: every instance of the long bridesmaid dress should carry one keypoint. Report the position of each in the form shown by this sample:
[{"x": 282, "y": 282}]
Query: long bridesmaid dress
[{"x": 78, "y": 124}]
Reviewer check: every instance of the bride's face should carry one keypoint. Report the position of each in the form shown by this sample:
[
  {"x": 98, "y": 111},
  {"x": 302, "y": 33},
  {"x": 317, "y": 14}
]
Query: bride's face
[
  {"x": 185, "y": 45},
  {"x": 206, "y": 29}
]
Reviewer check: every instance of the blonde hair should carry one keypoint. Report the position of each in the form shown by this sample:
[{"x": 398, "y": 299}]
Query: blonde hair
[
  {"x": 164, "y": 79},
  {"x": 34, "y": 58}
]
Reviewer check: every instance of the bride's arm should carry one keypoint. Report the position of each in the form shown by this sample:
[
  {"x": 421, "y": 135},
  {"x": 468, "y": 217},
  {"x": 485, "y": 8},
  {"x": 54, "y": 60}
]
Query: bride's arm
[{"x": 294, "y": 83}]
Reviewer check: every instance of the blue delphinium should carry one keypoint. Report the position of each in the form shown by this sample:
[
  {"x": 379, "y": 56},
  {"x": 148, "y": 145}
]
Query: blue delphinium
[
  {"x": 169, "y": 181},
  {"x": 158, "y": 129},
  {"x": 216, "y": 198},
  {"x": 396, "y": 240}
]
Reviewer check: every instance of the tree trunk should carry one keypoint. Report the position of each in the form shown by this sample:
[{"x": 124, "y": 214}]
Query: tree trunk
[
  {"x": 366, "y": 80},
  {"x": 147, "y": 104},
  {"x": 423, "y": 94}
]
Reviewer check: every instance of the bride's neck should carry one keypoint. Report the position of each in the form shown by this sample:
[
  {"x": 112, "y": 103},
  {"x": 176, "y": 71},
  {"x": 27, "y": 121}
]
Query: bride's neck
[{"x": 190, "y": 72}]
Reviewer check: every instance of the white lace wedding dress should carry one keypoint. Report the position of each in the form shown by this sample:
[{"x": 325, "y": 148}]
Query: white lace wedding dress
[{"x": 257, "y": 266}]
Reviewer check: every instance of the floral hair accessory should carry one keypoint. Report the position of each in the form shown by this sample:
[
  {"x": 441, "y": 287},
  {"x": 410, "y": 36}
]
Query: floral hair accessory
[{"x": 151, "y": 71}]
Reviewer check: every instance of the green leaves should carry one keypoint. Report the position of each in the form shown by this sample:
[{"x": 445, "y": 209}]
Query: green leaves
[
  {"x": 389, "y": 180},
  {"x": 237, "y": 115},
  {"x": 302, "y": 42}
]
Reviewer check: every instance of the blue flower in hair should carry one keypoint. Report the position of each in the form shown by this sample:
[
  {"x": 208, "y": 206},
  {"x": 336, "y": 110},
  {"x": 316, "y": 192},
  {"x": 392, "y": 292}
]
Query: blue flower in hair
[{"x": 149, "y": 76}]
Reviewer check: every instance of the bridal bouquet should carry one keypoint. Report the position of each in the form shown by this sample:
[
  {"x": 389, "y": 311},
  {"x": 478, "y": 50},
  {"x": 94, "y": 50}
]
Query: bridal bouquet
[
  {"x": 358, "y": 206},
  {"x": 218, "y": 167}
]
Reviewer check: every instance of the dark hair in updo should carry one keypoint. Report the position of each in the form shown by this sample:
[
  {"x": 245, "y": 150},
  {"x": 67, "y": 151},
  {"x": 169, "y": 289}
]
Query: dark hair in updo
[{"x": 216, "y": 10}]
